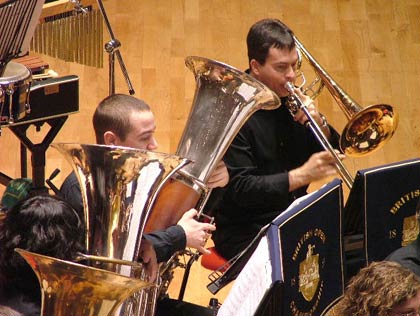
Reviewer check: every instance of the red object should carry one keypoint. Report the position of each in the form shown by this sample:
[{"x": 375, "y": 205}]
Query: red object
[{"x": 214, "y": 261}]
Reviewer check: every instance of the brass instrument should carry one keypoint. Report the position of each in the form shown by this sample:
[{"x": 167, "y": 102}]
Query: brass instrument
[
  {"x": 224, "y": 99},
  {"x": 368, "y": 128},
  {"x": 69, "y": 288},
  {"x": 119, "y": 186}
]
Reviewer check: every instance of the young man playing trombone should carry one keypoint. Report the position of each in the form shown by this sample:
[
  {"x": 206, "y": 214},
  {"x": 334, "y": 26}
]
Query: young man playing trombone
[{"x": 274, "y": 157}]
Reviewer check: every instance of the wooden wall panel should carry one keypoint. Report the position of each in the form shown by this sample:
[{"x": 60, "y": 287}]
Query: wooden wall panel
[{"x": 370, "y": 47}]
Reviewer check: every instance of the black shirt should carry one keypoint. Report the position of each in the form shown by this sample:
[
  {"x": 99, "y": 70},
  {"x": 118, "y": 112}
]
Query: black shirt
[{"x": 268, "y": 145}]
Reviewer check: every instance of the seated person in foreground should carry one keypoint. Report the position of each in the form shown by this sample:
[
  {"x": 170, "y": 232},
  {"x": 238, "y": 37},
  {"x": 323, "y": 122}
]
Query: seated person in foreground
[
  {"x": 42, "y": 224},
  {"x": 381, "y": 289}
]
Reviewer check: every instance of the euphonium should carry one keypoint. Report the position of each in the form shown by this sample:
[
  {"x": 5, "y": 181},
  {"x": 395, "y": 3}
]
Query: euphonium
[
  {"x": 224, "y": 99},
  {"x": 118, "y": 186},
  {"x": 68, "y": 288}
]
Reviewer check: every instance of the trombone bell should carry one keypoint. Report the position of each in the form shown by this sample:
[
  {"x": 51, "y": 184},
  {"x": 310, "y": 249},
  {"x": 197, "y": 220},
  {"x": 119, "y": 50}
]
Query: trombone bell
[{"x": 368, "y": 130}]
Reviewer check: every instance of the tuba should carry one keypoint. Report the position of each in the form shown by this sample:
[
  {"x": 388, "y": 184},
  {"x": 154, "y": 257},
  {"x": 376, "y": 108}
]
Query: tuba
[
  {"x": 68, "y": 288},
  {"x": 224, "y": 99},
  {"x": 119, "y": 186}
]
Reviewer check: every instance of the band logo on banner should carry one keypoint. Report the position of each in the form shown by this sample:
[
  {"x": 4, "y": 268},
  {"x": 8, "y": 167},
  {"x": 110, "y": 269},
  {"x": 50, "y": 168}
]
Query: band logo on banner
[
  {"x": 410, "y": 228},
  {"x": 310, "y": 263},
  {"x": 381, "y": 208}
]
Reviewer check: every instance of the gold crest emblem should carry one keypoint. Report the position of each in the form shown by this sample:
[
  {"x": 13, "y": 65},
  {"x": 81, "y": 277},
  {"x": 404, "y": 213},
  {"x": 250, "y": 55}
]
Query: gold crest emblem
[
  {"x": 410, "y": 230},
  {"x": 309, "y": 274}
]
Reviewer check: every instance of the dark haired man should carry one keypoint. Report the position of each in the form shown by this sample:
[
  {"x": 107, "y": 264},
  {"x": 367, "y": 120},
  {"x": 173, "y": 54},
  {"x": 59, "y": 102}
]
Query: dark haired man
[{"x": 274, "y": 157}]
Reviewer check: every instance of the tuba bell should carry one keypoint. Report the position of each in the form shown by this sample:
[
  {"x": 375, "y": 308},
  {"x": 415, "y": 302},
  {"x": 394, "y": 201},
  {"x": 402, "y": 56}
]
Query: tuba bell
[
  {"x": 224, "y": 99},
  {"x": 119, "y": 186},
  {"x": 68, "y": 288}
]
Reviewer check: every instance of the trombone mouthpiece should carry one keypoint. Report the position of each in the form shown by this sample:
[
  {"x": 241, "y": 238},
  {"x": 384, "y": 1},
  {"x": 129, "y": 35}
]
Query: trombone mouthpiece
[{"x": 289, "y": 86}]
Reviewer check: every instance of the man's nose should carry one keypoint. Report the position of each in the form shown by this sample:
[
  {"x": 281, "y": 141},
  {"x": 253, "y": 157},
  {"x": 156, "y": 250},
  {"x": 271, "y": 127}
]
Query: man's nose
[
  {"x": 153, "y": 145},
  {"x": 291, "y": 74}
]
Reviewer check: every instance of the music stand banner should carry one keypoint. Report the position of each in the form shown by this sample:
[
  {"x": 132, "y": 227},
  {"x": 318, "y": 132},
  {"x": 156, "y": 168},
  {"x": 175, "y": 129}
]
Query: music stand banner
[
  {"x": 296, "y": 268},
  {"x": 306, "y": 252},
  {"x": 384, "y": 199}
]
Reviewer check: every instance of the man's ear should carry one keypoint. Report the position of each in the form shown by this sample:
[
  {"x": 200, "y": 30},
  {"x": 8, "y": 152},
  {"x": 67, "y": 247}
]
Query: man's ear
[
  {"x": 254, "y": 67},
  {"x": 110, "y": 138}
]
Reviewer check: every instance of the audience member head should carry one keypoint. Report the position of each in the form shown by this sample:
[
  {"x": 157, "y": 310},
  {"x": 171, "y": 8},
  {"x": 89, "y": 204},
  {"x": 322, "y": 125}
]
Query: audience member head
[
  {"x": 7, "y": 311},
  {"x": 123, "y": 120},
  {"x": 381, "y": 289},
  {"x": 42, "y": 224}
]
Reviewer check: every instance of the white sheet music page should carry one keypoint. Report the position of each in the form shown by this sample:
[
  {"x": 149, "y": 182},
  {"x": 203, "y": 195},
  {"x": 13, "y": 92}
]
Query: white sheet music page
[{"x": 250, "y": 285}]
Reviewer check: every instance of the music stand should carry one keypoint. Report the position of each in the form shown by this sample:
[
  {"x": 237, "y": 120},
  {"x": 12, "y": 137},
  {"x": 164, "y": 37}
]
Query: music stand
[
  {"x": 381, "y": 209},
  {"x": 297, "y": 267},
  {"x": 18, "y": 19}
]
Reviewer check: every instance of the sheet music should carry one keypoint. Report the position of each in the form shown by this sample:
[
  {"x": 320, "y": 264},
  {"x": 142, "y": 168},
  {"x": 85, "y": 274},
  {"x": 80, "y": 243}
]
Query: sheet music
[{"x": 251, "y": 284}]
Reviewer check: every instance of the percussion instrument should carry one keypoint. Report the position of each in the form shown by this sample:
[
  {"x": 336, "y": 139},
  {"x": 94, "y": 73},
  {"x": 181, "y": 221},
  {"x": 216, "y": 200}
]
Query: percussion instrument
[{"x": 14, "y": 93}]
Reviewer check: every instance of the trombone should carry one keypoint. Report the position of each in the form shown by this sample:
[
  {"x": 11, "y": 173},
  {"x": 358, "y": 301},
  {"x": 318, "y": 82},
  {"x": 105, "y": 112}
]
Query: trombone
[{"x": 367, "y": 130}]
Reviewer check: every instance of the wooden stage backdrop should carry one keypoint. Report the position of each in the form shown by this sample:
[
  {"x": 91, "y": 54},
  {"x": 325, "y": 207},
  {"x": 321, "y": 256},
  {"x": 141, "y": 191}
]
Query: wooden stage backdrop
[{"x": 370, "y": 47}]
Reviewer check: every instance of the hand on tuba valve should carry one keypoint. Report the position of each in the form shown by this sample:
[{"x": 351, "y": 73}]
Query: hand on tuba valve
[{"x": 196, "y": 232}]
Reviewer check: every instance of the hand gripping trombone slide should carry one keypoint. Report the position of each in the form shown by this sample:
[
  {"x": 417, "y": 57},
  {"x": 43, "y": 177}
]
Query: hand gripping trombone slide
[{"x": 316, "y": 130}]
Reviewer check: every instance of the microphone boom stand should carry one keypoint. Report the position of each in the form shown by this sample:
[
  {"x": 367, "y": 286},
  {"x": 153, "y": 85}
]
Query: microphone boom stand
[{"x": 112, "y": 48}]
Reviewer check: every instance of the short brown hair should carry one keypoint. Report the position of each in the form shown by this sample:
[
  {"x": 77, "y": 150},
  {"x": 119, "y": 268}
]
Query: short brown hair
[
  {"x": 113, "y": 114},
  {"x": 265, "y": 34}
]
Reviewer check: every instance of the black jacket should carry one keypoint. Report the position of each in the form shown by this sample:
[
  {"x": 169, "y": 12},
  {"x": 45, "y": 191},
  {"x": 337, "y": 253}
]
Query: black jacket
[{"x": 268, "y": 145}]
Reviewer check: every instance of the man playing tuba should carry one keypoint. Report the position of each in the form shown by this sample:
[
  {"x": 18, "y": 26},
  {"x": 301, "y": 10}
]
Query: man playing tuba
[{"x": 123, "y": 120}]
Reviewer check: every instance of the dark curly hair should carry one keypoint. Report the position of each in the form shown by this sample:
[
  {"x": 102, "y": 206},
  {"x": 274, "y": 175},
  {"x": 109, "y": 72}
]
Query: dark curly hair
[
  {"x": 42, "y": 224},
  {"x": 113, "y": 114},
  {"x": 377, "y": 288}
]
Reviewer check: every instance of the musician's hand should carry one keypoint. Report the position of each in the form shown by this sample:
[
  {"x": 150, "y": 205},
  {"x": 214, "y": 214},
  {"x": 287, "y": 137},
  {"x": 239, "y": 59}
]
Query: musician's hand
[
  {"x": 196, "y": 233},
  {"x": 219, "y": 177},
  {"x": 318, "y": 166},
  {"x": 148, "y": 257}
]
